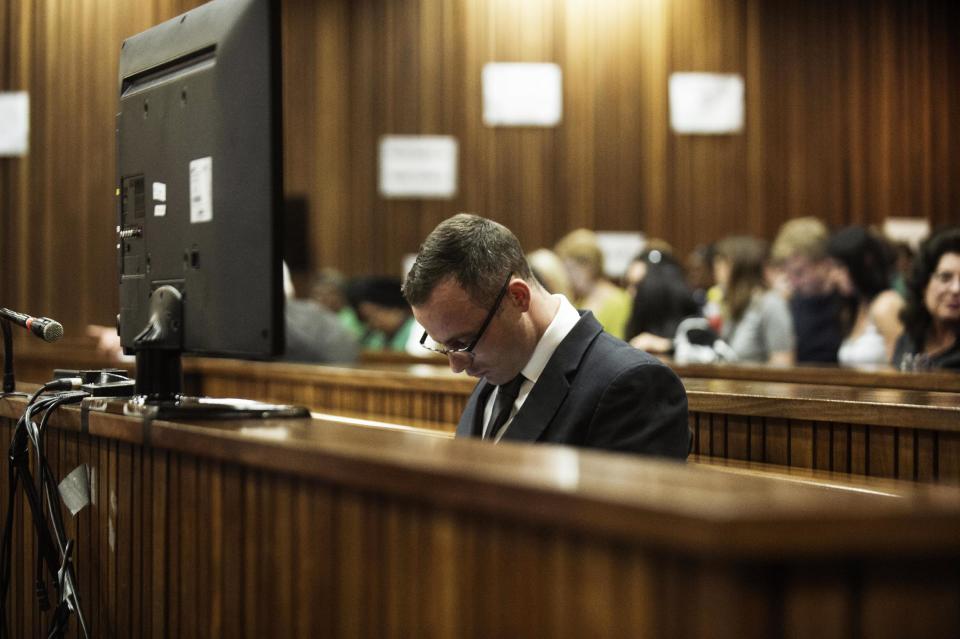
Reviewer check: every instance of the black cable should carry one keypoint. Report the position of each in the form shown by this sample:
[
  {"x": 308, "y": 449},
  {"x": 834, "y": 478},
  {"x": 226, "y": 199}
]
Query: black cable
[
  {"x": 67, "y": 588},
  {"x": 49, "y": 546},
  {"x": 8, "y": 380},
  {"x": 66, "y": 585}
]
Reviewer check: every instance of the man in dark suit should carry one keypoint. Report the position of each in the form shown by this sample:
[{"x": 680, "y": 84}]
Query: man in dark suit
[{"x": 548, "y": 373}]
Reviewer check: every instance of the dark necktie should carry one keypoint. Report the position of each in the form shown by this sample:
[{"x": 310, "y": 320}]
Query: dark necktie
[{"x": 506, "y": 396}]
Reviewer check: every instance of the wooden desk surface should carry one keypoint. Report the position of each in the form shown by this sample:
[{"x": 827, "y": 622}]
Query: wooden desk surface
[
  {"x": 849, "y": 404},
  {"x": 875, "y": 376},
  {"x": 864, "y": 376},
  {"x": 697, "y": 509},
  {"x": 36, "y": 360},
  {"x": 306, "y": 528}
]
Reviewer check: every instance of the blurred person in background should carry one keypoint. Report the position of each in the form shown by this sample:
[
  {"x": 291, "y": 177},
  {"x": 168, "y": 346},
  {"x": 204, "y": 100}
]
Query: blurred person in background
[
  {"x": 902, "y": 266},
  {"x": 931, "y": 317},
  {"x": 800, "y": 253},
  {"x": 699, "y": 269},
  {"x": 610, "y": 304},
  {"x": 637, "y": 268},
  {"x": 329, "y": 290},
  {"x": 870, "y": 315},
  {"x": 314, "y": 333},
  {"x": 380, "y": 305},
  {"x": 550, "y": 271},
  {"x": 661, "y": 300},
  {"x": 757, "y": 322}
]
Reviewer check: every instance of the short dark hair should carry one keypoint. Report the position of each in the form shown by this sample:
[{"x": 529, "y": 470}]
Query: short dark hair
[
  {"x": 915, "y": 316},
  {"x": 478, "y": 253},
  {"x": 376, "y": 289}
]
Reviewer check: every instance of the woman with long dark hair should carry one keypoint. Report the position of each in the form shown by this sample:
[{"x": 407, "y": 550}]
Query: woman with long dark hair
[
  {"x": 931, "y": 318},
  {"x": 661, "y": 301},
  {"x": 870, "y": 314}
]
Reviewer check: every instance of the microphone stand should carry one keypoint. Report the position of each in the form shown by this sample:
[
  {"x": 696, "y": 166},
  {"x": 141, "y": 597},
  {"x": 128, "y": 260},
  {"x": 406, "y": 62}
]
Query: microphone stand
[{"x": 8, "y": 382}]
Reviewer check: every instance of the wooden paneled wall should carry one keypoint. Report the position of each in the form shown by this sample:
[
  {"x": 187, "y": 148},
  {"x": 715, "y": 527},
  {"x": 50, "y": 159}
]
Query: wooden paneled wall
[{"x": 848, "y": 116}]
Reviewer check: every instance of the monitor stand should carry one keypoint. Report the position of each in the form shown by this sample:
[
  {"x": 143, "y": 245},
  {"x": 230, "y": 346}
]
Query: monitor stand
[{"x": 160, "y": 373}]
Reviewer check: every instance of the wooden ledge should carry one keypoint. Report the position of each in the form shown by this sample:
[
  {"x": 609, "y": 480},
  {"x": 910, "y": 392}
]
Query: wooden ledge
[{"x": 693, "y": 507}]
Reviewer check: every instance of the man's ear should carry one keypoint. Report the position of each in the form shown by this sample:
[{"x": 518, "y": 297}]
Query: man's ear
[{"x": 518, "y": 292}]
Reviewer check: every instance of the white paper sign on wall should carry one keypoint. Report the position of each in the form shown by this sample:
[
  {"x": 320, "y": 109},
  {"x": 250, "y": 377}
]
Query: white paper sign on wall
[
  {"x": 706, "y": 103},
  {"x": 418, "y": 166},
  {"x": 14, "y": 123},
  {"x": 619, "y": 248},
  {"x": 910, "y": 230},
  {"x": 522, "y": 94}
]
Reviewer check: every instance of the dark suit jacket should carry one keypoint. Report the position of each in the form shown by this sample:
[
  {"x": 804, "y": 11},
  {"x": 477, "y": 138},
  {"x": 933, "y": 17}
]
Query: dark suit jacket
[{"x": 599, "y": 392}]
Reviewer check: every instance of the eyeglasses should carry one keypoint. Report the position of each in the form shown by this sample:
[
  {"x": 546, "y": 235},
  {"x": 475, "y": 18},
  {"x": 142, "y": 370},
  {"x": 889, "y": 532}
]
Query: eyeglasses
[{"x": 454, "y": 349}]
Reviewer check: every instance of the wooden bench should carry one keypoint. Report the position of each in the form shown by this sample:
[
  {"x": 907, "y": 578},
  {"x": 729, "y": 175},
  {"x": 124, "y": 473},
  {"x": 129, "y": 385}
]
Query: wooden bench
[
  {"x": 899, "y": 434},
  {"x": 863, "y": 376},
  {"x": 859, "y": 431},
  {"x": 306, "y": 528}
]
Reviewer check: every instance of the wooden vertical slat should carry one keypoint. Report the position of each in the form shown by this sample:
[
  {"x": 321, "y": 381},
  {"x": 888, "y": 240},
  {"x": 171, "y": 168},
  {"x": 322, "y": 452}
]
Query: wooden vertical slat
[
  {"x": 818, "y": 608},
  {"x": 949, "y": 457},
  {"x": 900, "y": 601},
  {"x": 927, "y": 456},
  {"x": 840, "y": 448},
  {"x": 175, "y": 531},
  {"x": 124, "y": 538},
  {"x": 822, "y": 443},
  {"x": 883, "y": 452},
  {"x": 230, "y": 538},
  {"x": 251, "y": 570},
  {"x": 758, "y": 436},
  {"x": 802, "y": 437},
  {"x": 906, "y": 454},
  {"x": 859, "y": 450},
  {"x": 209, "y": 562},
  {"x": 777, "y": 442},
  {"x": 158, "y": 550},
  {"x": 718, "y": 436}
]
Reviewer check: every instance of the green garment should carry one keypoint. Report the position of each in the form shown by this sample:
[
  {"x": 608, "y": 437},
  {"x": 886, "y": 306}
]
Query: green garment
[
  {"x": 378, "y": 341},
  {"x": 615, "y": 313},
  {"x": 351, "y": 322}
]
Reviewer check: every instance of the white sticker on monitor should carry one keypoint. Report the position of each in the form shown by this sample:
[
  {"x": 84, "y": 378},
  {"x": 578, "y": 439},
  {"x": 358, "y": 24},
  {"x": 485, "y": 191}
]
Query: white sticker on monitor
[
  {"x": 159, "y": 210},
  {"x": 201, "y": 190},
  {"x": 159, "y": 191}
]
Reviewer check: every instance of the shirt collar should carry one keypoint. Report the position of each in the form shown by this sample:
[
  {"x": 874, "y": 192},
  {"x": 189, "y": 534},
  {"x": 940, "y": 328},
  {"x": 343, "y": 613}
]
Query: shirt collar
[{"x": 563, "y": 322}]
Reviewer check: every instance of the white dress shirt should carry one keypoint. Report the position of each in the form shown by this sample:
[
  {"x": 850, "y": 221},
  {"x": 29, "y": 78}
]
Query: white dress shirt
[{"x": 563, "y": 322}]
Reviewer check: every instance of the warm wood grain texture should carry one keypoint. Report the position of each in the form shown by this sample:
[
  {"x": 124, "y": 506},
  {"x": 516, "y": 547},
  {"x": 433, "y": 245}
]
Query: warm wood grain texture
[
  {"x": 849, "y": 116},
  {"x": 879, "y": 432},
  {"x": 308, "y": 529},
  {"x": 856, "y": 430},
  {"x": 872, "y": 377}
]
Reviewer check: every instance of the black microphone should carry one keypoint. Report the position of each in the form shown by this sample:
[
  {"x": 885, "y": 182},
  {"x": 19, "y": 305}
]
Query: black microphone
[{"x": 43, "y": 327}]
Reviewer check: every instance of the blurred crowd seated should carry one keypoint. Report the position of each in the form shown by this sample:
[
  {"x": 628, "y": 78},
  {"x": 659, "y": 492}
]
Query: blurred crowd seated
[
  {"x": 814, "y": 295},
  {"x": 846, "y": 296}
]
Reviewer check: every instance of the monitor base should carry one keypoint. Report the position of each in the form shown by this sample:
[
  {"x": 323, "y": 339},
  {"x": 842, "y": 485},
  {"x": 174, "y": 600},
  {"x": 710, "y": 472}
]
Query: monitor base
[{"x": 185, "y": 408}]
